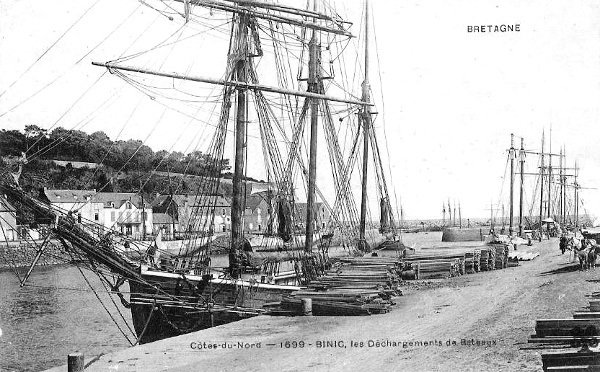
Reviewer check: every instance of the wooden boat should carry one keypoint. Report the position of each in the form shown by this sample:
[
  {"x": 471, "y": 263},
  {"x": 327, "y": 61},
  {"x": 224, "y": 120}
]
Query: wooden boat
[{"x": 178, "y": 293}]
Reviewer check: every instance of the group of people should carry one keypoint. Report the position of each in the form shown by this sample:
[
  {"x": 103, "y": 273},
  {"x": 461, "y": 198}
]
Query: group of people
[{"x": 586, "y": 250}]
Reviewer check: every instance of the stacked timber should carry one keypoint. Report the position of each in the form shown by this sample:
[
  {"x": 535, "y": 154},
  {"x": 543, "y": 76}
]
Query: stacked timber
[
  {"x": 594, "y": 310},
  {"x": 442, "y": 268},
  {"x": 441, "y": 262},
  {"x": 353, "y": 286},
  {"x": 501, "y": 251},
  {"x": 436, "y": 265},
  {"x": 484, "y": 259},
  {"x": 492, "y": 258},
  {"x": 472, "y": 262},
  {"x": 581, "y": 332},
  {"x": 571, "y": 361},
  {"x": 595, "y": 305},
  {"x": 567, "y": 327}
]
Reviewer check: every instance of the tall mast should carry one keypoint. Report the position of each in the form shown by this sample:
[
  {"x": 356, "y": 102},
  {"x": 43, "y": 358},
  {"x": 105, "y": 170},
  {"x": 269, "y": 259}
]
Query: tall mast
[
  {"x": 454, "y": 218},
  {"x": 443, "y": 214},
  {"x": 503, "y": 221},
  {"x": 576, "y": 197},
  {"x": 522, "y": 168},
  {"x": 511, "y": 154},
  {"x": 269, "y": 206},
  {"x": 314, "y": 64},
  {"x": 542, "y": 186},
  {"x": 550, "y": 175},
  {"x": 240, "y": 46},
  {"x": 366, "y": 120},
  {"x": 560, "y": 182},
  {"x": 565, "y": 209},
  {"x": 459, "y": 216},
  {"x": 491, "y": 216}
]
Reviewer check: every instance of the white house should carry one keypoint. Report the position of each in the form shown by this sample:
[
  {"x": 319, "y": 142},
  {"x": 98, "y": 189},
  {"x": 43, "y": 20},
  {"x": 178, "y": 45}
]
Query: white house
[
  {"x": 125, "y": 213},
  {"x": 120, "y": 211},
  {"x": 8, "y": 221},
  {"x": 80, "y": 203}
]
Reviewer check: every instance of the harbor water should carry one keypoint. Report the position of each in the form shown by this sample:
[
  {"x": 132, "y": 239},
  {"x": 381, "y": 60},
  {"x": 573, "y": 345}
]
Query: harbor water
[{"x": 54, "y": 315}]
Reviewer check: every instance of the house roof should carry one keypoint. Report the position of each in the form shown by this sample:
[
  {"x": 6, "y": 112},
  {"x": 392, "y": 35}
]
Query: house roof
[
  {"x": 195, "y": 200},
  {"x": 254, "y": 200},
  {"x": 81, "y": 196},
  {"x": 118, "y": 198},
  {"x": 69, "y": 196},
  {"x": 76, "y": 164}
]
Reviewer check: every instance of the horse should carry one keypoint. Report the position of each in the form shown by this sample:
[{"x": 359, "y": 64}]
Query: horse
[
  {"x": 594, "y": 250},
  {"x": 581, "y": 252}
]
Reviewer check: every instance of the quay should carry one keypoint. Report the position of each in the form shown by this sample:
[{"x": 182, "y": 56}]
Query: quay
[{"x": 473, "y": 322}]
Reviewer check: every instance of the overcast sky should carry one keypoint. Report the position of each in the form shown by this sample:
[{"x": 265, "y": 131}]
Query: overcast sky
[{"x": 451, "y": 98}]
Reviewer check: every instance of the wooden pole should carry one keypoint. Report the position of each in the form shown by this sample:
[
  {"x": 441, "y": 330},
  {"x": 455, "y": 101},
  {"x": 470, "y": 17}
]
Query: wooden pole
[
  {"x": 454, "y": 214},
  {"x": 491, "y": 216},
  {"x": 229, "y": 83},
  {"x": 542, "y": 187},
  {"x": 550, "y": 175},
  {"x": 313, "y": 87},
  {"x": 576, "y": 197},
  {"x": 75, "y": 362},
  {"x": 143, "y": 215},
  {"x": 565, "y": 209},
  {"x": 561, "y": 207},
  {"x": 443, "y": 214},
  {"x": 306, "y": 306},
  {"x": 366, "y": 120},
  {"x": 522, "y": 161},
  {"x": 511, "y": 154},
  {"x": 240, "y": 46}
]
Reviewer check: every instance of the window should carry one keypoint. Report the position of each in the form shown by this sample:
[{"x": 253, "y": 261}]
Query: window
[
  {"x": 112, "y": 216},
  {"x": 96, "y": 217},
  {"x": 128, "y": 205}
]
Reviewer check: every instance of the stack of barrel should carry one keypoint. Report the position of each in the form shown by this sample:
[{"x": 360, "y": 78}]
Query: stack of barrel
[
  {"x": 354, "y": 286},
  {"x": 581, "y": 332}
]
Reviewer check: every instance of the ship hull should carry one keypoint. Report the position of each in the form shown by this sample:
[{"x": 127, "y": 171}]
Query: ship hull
[{"x": 186, "y": 304}]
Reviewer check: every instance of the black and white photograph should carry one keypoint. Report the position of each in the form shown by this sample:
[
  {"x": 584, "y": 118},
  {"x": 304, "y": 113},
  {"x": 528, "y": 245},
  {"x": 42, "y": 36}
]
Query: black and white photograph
[{"x": 299, "y": 185}]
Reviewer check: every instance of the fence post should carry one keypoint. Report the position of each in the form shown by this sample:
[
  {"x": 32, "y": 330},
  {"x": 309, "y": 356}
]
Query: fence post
[{"x": 75, "y": 362}]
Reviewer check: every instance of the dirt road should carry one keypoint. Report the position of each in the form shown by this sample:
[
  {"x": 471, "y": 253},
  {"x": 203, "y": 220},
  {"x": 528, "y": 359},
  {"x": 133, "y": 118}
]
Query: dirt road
[{"x": 474, "y": 322}]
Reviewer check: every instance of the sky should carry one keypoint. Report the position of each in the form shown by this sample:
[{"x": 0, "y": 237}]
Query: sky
[{"x": 447, "y": 100}]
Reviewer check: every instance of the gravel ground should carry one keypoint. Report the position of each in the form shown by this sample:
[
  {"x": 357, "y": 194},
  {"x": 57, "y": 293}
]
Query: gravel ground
[{"x": 476, "y": 322}]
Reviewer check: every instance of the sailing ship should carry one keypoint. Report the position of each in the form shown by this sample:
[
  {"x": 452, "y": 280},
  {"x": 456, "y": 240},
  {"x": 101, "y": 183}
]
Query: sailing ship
[
  {"x": 181, "y": 292},
  {"x": 556, "y": 202}
]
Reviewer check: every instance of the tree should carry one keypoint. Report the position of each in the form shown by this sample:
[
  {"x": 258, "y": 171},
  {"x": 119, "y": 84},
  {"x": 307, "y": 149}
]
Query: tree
[{"x": 12, "y": 143}]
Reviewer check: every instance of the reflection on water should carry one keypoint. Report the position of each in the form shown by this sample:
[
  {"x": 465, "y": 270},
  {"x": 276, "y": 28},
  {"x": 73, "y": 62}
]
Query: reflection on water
[{"x": 42, "y": 323}]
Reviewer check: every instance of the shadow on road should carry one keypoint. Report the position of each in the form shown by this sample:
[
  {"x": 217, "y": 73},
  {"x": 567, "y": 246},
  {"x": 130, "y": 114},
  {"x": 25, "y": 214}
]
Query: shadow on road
[{"x": 571, "y": 267}]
